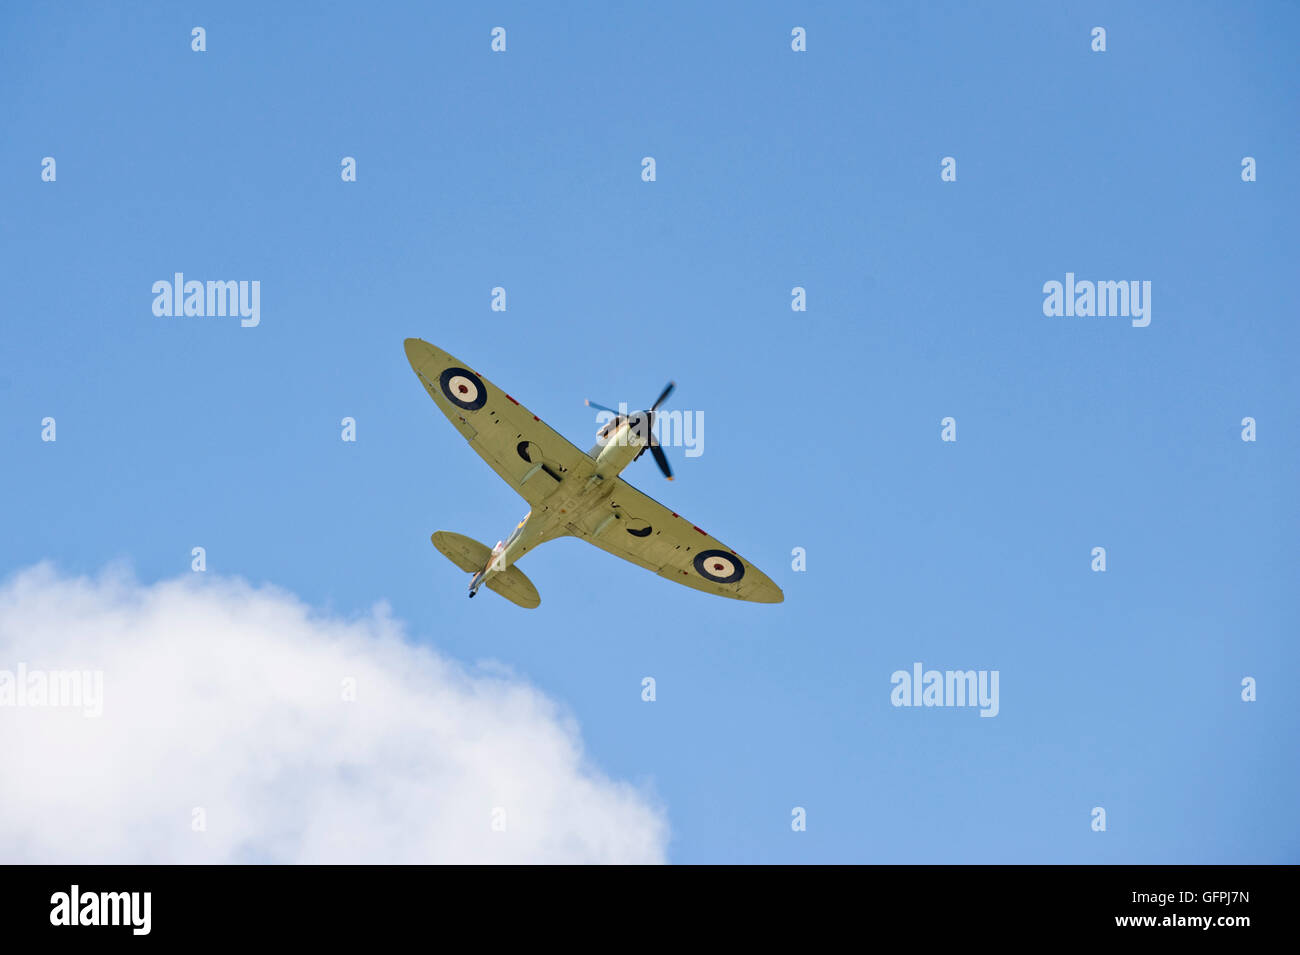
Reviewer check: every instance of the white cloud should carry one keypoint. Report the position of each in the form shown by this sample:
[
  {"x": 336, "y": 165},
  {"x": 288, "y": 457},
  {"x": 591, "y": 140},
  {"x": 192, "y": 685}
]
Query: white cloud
[{"x": 222, "y": 696}]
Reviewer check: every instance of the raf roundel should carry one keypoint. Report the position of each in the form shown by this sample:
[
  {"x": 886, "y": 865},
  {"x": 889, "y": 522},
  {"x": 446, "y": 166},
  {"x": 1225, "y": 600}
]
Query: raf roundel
[
  {"x": 719, "y": 566},
  {"x": 463, "y": 388}
]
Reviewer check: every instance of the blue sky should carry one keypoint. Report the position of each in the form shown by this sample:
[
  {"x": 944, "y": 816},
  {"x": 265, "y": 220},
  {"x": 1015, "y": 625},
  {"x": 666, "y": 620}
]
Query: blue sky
[{"x": 775, "y": 169}]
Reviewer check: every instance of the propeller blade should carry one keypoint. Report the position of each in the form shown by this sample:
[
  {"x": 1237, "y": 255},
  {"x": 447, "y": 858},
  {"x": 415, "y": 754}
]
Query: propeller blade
[
  {"x": 642, "y": 424},
  {"x": 591, "y": 404},
  {"x": 666, "y": 392},
  {"x": 661, "y": 459}
]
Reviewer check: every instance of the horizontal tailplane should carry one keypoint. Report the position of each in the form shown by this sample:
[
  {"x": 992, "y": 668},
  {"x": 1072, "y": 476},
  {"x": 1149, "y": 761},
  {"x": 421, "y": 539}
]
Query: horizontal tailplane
[
  {"x": 515, "y": 587},
  {"x": 471, "y": 556},
  {"x": 465, "y": 552}
]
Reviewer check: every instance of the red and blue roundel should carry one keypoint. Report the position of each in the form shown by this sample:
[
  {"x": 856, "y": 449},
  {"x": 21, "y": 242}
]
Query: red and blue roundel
[
  {"x": 463, "y": 388},
  {"x": 719, "y": 566}
]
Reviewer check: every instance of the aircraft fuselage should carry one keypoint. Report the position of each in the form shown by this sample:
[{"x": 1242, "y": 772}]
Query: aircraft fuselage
[{"x": 619, "y": 443}]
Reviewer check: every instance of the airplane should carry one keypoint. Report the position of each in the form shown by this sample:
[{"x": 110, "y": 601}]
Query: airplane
[{"x": 572, "y": 493}]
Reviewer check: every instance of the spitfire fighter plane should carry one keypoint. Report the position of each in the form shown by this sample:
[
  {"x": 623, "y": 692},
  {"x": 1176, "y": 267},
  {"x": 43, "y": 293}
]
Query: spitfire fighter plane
[{"x": 572, "y": 493}]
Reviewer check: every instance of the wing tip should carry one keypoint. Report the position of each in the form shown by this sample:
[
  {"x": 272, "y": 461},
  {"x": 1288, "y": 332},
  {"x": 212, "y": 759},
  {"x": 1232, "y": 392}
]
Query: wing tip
[
  {"x": 765, "y": 591},
  {"x": 416, "y": 349}
]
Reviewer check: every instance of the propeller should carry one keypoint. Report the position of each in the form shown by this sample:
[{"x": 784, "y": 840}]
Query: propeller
[
  {"x": 661, "y": 459},
  {"x": 656, "y": 451}
]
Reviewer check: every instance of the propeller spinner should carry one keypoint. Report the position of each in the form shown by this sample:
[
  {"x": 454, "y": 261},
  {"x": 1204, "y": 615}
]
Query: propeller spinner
[{"x": 648, "y": 417}]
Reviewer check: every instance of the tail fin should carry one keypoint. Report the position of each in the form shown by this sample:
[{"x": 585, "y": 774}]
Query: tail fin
[{"x": 471, "y": 556}]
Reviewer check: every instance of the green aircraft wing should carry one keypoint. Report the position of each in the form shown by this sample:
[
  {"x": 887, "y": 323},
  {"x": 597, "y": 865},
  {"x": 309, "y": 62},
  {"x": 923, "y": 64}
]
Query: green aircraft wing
[
  {"x": 632, "y": 525},
  {"x": 526, "y": 452}
]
